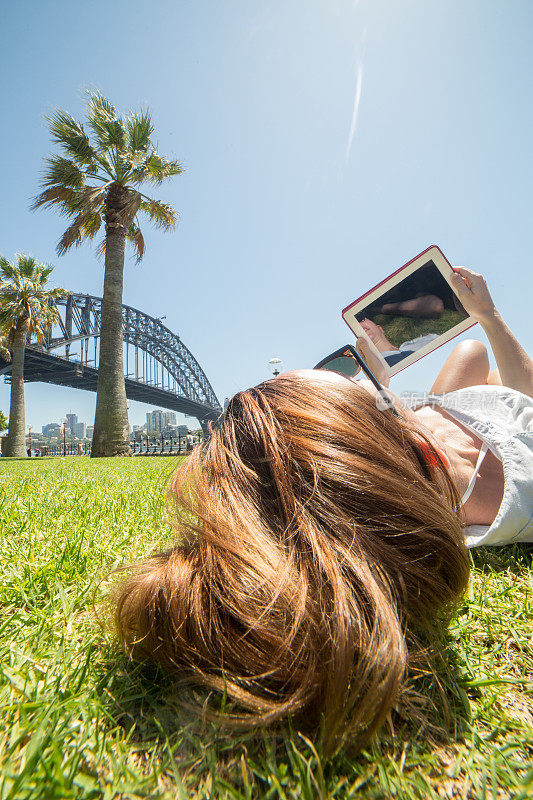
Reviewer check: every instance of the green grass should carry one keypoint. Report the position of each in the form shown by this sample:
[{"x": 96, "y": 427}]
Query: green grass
[
  {"x": 78, "y": 721},
  {"x": 402, "y": 329}
]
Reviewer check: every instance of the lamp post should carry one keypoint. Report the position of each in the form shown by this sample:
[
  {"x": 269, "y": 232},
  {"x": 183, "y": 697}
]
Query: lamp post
[
  {"x": 29, "y": 439},
  {"x": 64, "y": 421},
  {"x": 275, "y": 366}
]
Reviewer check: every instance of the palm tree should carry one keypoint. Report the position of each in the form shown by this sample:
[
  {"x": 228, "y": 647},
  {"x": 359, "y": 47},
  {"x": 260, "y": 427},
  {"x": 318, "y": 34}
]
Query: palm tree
[
  {"x": 94, "y": 182},
  {"x": 26, "y": 309}
]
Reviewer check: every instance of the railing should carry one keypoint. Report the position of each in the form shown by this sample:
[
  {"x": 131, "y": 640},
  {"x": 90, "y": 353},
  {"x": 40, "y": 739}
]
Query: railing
[{"x": 144, "y": 447}]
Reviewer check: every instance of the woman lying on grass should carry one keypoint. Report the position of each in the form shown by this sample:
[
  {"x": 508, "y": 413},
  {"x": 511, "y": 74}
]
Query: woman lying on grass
[{"x": 316, "y": 531}]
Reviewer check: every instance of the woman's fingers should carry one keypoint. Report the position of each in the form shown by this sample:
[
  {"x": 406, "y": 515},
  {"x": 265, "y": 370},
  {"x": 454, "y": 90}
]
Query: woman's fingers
[
  {"x": 466, "y": 272},
  {"x": 459, "y": 283},
  {"x": 472, "y": 291}
]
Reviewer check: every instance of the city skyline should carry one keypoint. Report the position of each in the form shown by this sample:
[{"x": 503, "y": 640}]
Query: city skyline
[
  {"x": 80, "y": 429},
  {"x": 137, "y": 419}
]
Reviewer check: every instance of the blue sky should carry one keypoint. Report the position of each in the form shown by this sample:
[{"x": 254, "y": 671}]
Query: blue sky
[{"x": 291, "y": 205}]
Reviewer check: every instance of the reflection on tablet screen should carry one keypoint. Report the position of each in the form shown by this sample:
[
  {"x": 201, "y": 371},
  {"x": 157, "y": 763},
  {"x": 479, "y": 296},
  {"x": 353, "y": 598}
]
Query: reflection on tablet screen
[{"x": 409, "y": 316}]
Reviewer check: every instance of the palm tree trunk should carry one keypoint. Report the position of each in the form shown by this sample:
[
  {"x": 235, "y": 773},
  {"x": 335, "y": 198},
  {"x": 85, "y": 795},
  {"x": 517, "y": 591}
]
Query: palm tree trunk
[
  {"x": 111, "y": 429},
  {"x": 15, "y": 445}
]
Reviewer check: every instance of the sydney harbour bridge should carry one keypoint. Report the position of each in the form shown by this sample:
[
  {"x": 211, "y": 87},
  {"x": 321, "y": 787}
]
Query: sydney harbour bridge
[{"x": 160, "y": 370}]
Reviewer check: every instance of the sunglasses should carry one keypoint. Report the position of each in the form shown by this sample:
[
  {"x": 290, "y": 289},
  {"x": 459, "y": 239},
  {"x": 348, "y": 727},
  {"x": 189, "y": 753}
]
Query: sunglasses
[{"x": 348, "y": 362}]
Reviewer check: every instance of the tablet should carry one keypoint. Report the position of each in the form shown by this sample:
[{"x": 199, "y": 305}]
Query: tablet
[{"x": 410, "y": 313}]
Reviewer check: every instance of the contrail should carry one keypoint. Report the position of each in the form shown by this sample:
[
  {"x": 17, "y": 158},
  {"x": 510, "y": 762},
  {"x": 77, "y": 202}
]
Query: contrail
[
  {"x": 357, "y": 99},
  {"x": 355, "y": 113}
]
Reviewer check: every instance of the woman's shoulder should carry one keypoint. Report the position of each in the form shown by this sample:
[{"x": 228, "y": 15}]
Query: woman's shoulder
[
  {"x": 496, "y": 403},
  {"x": 491, "y": 404}
]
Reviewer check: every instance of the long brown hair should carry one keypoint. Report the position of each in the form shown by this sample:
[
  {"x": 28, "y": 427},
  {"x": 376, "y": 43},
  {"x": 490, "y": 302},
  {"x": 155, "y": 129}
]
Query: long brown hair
[{"x": 312, "y": 532}]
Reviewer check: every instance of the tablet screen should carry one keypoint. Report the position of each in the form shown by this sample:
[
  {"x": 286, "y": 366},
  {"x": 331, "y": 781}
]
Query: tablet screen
[{"x": 418, "y": 309}]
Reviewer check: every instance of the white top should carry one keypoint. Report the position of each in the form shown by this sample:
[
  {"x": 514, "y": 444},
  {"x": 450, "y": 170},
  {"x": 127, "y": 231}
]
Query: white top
[
  {"x": 503, "y": 419},
  {"x": 418, "y": 342},
  {"x": 412, "y": 345}
]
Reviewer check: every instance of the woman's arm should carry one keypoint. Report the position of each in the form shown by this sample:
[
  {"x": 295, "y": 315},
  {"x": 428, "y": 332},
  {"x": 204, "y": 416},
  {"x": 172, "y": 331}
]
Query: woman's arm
[{"x": 514, "y": 364}]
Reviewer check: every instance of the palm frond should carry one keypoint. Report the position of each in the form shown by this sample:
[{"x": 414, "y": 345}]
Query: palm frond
[
  {"x": 131, "y": 206},
  {"x": 92, "y": 225},
  {"x": 8, "y": 317},
  {"x": 90, "y": 200},
  {"x": 44, "y": 274},
  {"x": 108, "y": 129},
  {"x": 135, "y": 238},
  {"x": 37, "y": 328},
  {"x": 62, "y": 172},
  {"x": 105, "y": 164},
  {"x": 4, "y": 350},
  {"x": 123, "y": 169},
  {"x": 7, "y": 269},
  {"x": 170, "y": 168},
  {"x": 112, "y": 134},
  {"x": 72, "y": 237},
  {"x": 101, "y": 249},
  {"x": 100, "y": 106},
  {"x": 60, "y": 196},
  {"x": 161, "y": 214},
  {"x": 71, "y": 136},
  {"x": 56, "y": 293},
  {"x": 139, "y": 174},
  {"x": 27, "y": 267},
  {"x": 139, "y": 128},
  {"x": 133, "y": 203},
  {"x": 85, "y": 205},
  {"x": 45, "y": 315},
  {"x": 158, "y": 168}
]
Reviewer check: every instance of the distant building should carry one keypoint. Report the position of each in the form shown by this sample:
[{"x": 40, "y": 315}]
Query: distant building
[
  {"x": 53, "y": 429},
  {"x": 183, "y": 430},
  {"x": 89, "y": 431},
  {"x": 80, "y": 430},
  {"x": 171, "y": 431},
  {"x": 72, "y": 419},
  {"x": 158, "y": 420},
  {"x": 153, "y": 420}
]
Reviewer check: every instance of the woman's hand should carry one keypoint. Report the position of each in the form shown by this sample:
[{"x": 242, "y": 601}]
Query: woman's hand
[{"x": 472, "y": 291}]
